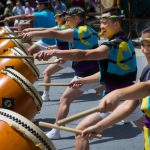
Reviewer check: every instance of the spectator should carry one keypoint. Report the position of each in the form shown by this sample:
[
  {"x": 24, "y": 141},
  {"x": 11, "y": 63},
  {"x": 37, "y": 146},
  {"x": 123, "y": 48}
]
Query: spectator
[
  {"x": 18, "y": 10},
  {"x": 59, "y": 6},
  {"x": 28, "y": 9},
  {"x": 8, "y": 9}
]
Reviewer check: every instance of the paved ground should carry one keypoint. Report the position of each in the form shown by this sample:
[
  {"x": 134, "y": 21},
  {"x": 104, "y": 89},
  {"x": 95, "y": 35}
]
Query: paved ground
[{"x": 119, "y": 137}]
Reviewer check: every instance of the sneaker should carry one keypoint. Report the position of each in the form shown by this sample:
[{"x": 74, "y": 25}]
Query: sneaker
[
  {"x": 54, "y": 134},
  {"x": 45, "y": 97}
]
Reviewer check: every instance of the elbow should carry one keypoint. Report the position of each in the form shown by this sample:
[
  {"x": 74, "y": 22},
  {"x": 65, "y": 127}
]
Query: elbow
[{"x": 79, "y": 56}]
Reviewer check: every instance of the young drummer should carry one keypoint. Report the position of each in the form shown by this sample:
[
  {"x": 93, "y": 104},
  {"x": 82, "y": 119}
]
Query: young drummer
[
  {"x": 137, "y": 91},
  {"x": 53, "y": 68},
  {"x": 118, "y": 66},
  {"x": 83, "y": 37},
  {"x": 42, "y": 19}
]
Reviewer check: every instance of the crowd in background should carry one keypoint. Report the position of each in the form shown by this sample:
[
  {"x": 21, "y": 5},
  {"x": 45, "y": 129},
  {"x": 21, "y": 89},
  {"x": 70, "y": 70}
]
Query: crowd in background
[{"x": 19, "y": 7}]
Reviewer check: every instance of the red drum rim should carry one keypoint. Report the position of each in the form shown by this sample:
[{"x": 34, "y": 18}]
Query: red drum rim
[
  {"x": 27, "y": 129},
  {"x": 25, "y": 84}
]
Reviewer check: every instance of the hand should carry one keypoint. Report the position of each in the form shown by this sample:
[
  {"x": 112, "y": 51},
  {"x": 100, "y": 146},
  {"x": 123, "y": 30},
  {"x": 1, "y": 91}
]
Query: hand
[
  {"x": 90, "y": 132},
  {"x": 27, "y": 35},
  {"x": 8, "y": 19},
  {"x": 108, "y": 103},
  {"x": 26, "y": 30},
  {"x": 45, "y": 55},
  {"x": 76, "y": 84}
]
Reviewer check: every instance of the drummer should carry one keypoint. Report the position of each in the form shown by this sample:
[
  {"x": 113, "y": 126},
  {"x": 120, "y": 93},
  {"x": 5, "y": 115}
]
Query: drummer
[
  {"x": 118, "y": 65},
  {"x": 53, "y": 68},
  {"x": 42, "y": 19},
  {"x": 83, "y": 37}
]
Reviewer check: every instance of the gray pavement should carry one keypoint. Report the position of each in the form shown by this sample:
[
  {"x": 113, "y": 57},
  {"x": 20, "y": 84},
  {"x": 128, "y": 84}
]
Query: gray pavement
[{"x": 118, "y": 137}]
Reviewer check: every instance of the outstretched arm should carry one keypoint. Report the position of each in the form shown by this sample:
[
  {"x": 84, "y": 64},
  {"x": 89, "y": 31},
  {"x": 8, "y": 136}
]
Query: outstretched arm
[
  {"x": 134, "y": 92},
  {"x": 76, "y": 54},
  {"x": 19, "y": 17},
  {"x": 65, "y": 35},
  {"x": 121, "y": 112}
]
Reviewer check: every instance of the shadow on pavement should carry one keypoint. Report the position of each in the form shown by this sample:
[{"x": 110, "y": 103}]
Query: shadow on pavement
[{"x": 117, "y": 132}]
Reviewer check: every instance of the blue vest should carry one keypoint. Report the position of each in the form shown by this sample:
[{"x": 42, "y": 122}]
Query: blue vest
[
  {"x": 121, "y": 63},
  {"x": 45, "y": 19},
  {"x": 62, "y": 44},
  {"x": 85, "y": 38}
]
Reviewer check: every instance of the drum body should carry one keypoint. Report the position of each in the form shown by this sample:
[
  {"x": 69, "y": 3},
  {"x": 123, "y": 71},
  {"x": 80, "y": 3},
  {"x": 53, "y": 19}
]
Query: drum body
[
  {"x": 25, "y": 66},
  {"x": 10, "y": 43},
  {"x": 18, "y": 94},
  {"x": 4, "y": 30},
  {"x": 18, "y": 133}
]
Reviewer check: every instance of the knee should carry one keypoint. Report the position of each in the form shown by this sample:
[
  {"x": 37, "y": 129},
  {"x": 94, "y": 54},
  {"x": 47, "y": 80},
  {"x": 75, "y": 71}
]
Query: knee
[
  {"x": 46, "y": 74},
  {"x": 64, "y": 100}
]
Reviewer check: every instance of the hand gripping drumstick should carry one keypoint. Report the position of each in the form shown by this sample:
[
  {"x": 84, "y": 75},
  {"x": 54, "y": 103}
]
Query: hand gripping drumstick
[
  {"x": 77, "y": 116},
  {"x": 49, "y": 125}
]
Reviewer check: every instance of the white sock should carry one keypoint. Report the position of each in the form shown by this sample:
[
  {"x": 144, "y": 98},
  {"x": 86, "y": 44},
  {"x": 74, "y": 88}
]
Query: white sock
[{"x": 46, "y": 92}]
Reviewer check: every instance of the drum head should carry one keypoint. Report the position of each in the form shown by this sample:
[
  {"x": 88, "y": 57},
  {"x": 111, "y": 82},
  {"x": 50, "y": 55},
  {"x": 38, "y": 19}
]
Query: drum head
[
  {"x": 29, "y": 63},
  {"x": 27, "y": 129},
  {"x": 25, "y": 84},
  {"x": 107, "y": 3}
]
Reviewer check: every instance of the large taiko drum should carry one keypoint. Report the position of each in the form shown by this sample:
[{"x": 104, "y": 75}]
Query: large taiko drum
[
  {"x": 10, "y": 43},
  {"x": 18, "y": 94},
  {"x": 25, "y": 66},
  {"x": 109, "y": 3},
  {"x": 18, "y": 133}
]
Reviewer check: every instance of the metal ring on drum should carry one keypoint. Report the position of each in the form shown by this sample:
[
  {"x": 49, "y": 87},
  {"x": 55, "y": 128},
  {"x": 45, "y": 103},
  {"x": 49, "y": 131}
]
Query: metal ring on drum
[
  {"x": 109, "y": 3},
  {"x": 10, "y": 43},
  {"x": 18, "y": 94},
  {"x": 25, "y": 66},
  {"x": 18, "y": 133}
]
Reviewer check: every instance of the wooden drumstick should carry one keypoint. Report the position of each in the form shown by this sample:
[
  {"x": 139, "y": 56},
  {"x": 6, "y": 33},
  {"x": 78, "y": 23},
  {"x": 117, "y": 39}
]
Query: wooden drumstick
[
  {"x": 10, "y": 37},
  {"x": 53, "y": 84},
  {"x": 17, "y": 57},
  {"x": 77, "y": 116},
  {"x": 49, "y": 125},
  {"x": 54, "y": 62}
]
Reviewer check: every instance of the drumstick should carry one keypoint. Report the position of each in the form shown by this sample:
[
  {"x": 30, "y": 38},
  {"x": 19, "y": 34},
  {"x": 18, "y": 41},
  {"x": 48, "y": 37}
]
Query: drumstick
[
  {"x": 10, "y": 37},
  {"x": 49, "y": 125},
  {"x": 45, "y": 63},
  {"x": 52, "y": 62},
  {"x": 53, "y": 84},
  {"x": 77, "y": 116},
  {"x": 18, "y": 57}
]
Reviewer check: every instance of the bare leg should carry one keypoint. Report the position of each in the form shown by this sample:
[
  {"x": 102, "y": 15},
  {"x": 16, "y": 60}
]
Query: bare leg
[
  {"x": 51, "y": 69},
  {"x": 68, "y": 96},
  {"x": 33, "y": 49},
  {"x": 80, "y": 142}
]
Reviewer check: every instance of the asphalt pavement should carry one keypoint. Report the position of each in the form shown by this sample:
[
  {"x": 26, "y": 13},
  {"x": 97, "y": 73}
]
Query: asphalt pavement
[{"x": 118, "y": 137}]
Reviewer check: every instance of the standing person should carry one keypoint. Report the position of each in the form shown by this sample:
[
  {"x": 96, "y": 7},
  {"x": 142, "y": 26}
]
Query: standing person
[
  {"x": 28, "y": 9},
  {"x": 59, "y": 6},
  {"x": 83, "y": 37},
  {"x": 18, "y": 10},
  {"x": 8, "y": 9},
  {"x": 53, "y": 68},
  {"x": 133, "y": 93},
  {"x": 118, "y": 63},
  {"x": 42, "y": 19}
]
